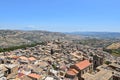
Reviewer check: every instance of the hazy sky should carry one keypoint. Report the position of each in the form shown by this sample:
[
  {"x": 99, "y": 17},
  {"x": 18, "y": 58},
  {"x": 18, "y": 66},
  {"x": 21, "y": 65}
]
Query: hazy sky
[{"x": 60, "y": 15}]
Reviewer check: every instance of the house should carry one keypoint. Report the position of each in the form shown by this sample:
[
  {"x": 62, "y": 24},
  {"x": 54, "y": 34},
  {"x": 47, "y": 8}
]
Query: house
[
  {"x": 3, "y": 70},
  {"x": 12, "y": 68},
  {"x": 3, "y": 78},
  {"x": 23, "y": 60},
  {"x": 71, "y": 73},
  {"x": 53, "y": 72},
  {"x": 2, "y": 59},
  {"x": 35, "y": 76},
  {"x": 23, "y": 77},
  {"x": 116, "y": 76},
  {"x": 97, "y": 61},
  {"x": 11, "y": 76},
  {"x": 101, "y": 75},
  {"x": 49, "y": 78},
  {"x": 115, "y": 67},
  {"x": 61, "y": 74},
  {"x": 79, "y": 69},
  {"x": 83, "y": 67},
  {"x": 32, "y": 59}
]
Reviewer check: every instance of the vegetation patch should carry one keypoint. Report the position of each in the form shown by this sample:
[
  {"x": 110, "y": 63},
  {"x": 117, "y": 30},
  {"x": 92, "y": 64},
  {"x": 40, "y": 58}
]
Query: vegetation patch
[
  {"x": 20, "y": 47},
  {"x": 114, "y": 52}
]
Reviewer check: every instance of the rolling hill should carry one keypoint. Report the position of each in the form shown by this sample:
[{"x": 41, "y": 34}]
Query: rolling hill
[
  {"x": 16, "y": 37},
  {"x": 98, "y": 35}
]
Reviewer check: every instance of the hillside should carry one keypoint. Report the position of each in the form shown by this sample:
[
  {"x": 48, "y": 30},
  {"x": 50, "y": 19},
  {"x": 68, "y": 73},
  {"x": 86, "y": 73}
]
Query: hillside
[
  {"x": 98, "y": 35},
  {"x": 114, "y": 49},
  {"x": 14, "y": 37},
  {"x": 114, "y": 46}
]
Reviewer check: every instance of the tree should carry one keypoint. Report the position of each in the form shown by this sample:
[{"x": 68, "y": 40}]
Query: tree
[{"x": 107, "y": 62}]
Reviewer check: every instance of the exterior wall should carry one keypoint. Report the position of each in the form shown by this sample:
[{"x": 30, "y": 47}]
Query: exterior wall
[
  {"x": 32, "y": 78},
  {"x": 1, "y": 61},
  {"x": 116, "y": 78},
  {"x": 35, "y": 78},
  {"x": 97, "y": 61},
  {"x": 81, "y": 72},
  {"x": 69, "y": 76},
  {"x": 111, "y": 78},
  {"x": 1, "y": 74},
  {"x": 14, "y": 70},
  {"x": 74, "y": 67},
  {"x": 88, "y": 69}
]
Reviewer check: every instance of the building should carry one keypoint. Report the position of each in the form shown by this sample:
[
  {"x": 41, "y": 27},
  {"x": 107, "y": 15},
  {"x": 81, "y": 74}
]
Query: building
[
  {"x": 101, "y": 75},
  {"x": 97, "y": 61},
  {"x": 79, "y": 69},
  {"x": 71, "y": 73},
  {"x": 12, "y": 68},
  {"x": 35, "y": 76}
]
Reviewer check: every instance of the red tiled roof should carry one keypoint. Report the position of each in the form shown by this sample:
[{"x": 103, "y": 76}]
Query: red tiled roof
[
  {"x": 72, "y": 72},
  {"x": 83, "y": 64},
  {"x": 33, "y": 75},
  {"x": 23, "y": 58},
  {"x": 31, "y": 58},
  {"x": 15, "y": 57}
]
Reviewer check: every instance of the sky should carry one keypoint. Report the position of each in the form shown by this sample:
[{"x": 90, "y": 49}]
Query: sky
[{"x": 60, "y": 15}]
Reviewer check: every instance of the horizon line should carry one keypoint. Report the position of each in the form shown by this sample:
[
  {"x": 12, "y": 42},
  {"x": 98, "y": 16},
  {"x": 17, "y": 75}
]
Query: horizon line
[{"x": 60, "y": 31}]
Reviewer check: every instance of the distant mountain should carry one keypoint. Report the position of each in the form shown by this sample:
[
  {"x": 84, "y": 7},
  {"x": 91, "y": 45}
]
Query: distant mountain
[
  {"x": 99, "y": 35},
  {"x": 15, "y": 37}
]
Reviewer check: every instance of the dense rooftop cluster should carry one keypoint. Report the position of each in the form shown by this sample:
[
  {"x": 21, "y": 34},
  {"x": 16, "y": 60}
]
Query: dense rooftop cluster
[{"x": 58, "y": 60}]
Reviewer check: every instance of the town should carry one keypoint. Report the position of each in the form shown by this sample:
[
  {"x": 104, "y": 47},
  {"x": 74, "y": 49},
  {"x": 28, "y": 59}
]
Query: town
[
  {"x": 59, "y": 39},
  {"x": 59, "y": 60}
]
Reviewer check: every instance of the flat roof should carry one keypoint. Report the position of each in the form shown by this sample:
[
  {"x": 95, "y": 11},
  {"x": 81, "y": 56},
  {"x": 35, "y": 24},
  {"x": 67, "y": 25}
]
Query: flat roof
[
  {"x": 11, "y": 65},
  {"x": 101, "y": 75},
  {"x": 115, "y": 65}
]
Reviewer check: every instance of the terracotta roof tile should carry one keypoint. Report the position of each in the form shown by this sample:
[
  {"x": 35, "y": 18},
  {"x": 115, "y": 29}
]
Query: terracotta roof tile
[
  {"x": 31, "y": 58},
  {"x": 23, "y": 58},
  {"x": 33, "y": 75},
  {"x": 72, "y": 72},
  {"x": 15, "y": 57},
  {"x": 83, "y": 64}
]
